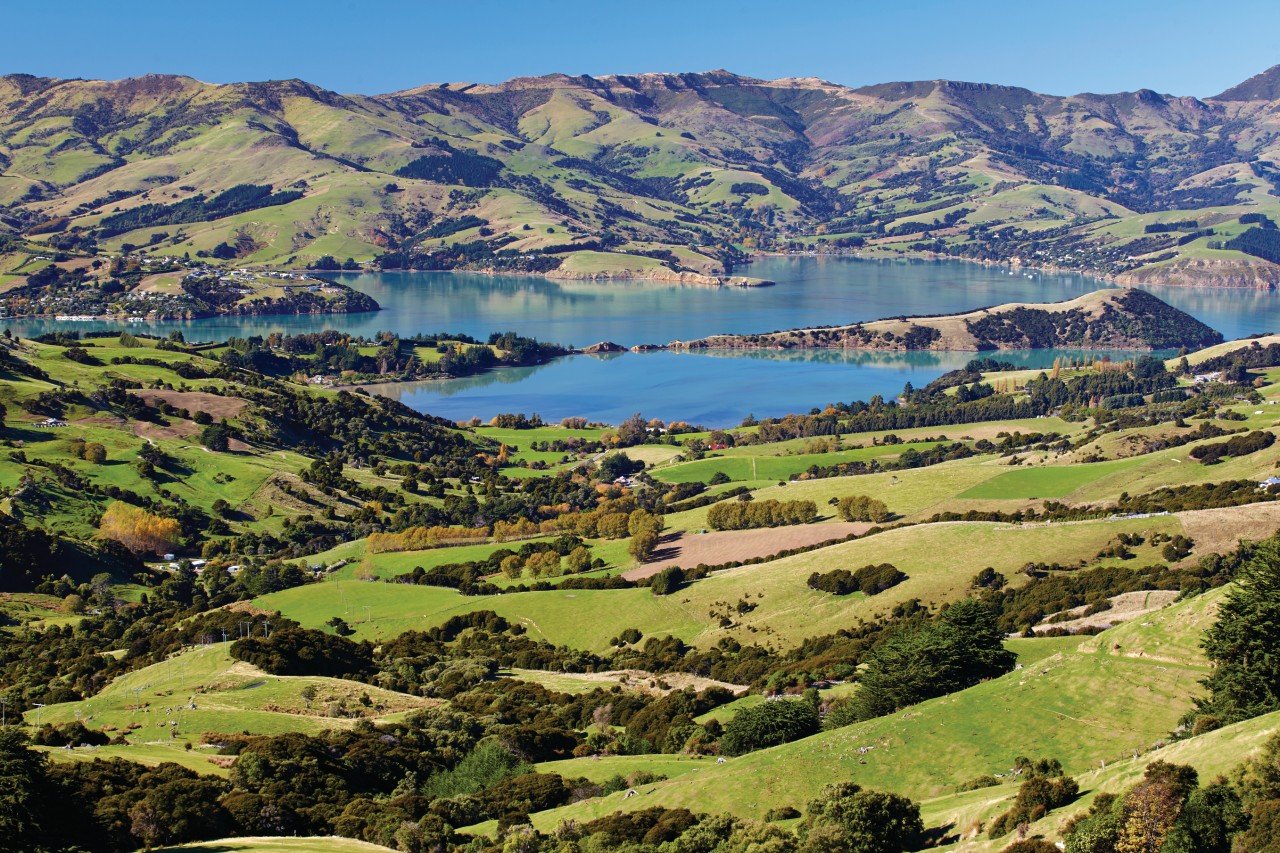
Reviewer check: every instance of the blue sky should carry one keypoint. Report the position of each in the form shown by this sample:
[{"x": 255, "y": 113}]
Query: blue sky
[{"x": 1055, "y": 47}]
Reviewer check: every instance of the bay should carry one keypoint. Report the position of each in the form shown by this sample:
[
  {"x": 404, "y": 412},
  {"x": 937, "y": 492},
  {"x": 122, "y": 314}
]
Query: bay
[{"x": 710, "y": 388}]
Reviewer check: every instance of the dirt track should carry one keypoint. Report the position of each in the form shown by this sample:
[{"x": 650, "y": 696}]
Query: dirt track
[{"x": 689, "y": 549}]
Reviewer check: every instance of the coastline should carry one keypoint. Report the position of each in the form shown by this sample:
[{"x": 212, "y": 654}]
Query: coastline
[{"x": 1236, "y": 275}]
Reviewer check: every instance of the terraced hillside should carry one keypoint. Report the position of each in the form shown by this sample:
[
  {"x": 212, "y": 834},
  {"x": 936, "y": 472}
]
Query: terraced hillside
[{"x": 656, "y": 176}]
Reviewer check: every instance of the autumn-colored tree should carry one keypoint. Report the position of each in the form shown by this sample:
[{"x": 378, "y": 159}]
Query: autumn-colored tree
[
  {"x": 1149, "y": 813},
  {"x": 138, "y": 530}
]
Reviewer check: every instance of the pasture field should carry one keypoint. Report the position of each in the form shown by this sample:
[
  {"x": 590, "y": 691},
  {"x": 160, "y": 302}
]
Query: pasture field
[
  {"x": 786, "y": 609},
  {"x": 742, "y": 466},
  {"x": 1083, "y": 706},
  {"x": 1045, "y": 481},
  {"x": 176, "y": 701}
]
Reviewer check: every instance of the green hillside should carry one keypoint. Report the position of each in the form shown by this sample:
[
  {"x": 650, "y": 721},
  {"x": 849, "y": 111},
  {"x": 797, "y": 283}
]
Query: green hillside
[
  {"x": 674, "y": 177},
  {"x": 237, "y": 602}
]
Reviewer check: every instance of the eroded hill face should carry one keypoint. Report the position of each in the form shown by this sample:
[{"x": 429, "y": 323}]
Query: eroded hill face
[{"x": 652, "y": 175}]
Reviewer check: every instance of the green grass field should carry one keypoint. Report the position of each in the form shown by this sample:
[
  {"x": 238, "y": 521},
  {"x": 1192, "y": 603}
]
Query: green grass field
[
  {"x": 1047, "y": 481},
  {"x": 1091, "y": 704},
  {"x": 743, "y": 465}
]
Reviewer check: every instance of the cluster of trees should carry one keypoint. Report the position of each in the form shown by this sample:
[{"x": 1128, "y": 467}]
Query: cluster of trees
[
  {"x": 1244, "y": 645},
  {"x": 1043, "y": 789},
  {"x": 871, "y": 580},
  {"x": 742, "y": 515},
  {"x": 863, "y": 508},
  {"x": 331, "y": 353},
  {"x": 921, "y": 660},
  {"x": 138, "y": 530},
  {"x": 1260, "y": 242},
  {"x": 455, "y": 167},
  {"x": 1237, "y": 445},
  {"x": 769, "y": 724},
  {"x": 198, "y": 208},
  {"x": 1169, "y": 810}
]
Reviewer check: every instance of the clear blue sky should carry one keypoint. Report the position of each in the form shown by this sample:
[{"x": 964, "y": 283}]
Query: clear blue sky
[{"x": 1174, "y": 46}]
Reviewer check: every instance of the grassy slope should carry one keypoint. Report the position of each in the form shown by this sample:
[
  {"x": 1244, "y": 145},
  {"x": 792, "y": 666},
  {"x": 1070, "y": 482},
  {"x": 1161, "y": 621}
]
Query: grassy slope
[
  {"x": 229, "y": 696},
  {"x": 1108, "y": 698},
  {"x": 787, "y": 609}
]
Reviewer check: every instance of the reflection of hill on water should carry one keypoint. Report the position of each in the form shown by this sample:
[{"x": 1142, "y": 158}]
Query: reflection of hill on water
[{"x": 449, "y": 387}]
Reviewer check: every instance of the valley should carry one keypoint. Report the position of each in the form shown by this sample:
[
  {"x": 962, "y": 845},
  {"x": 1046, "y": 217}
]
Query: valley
[{"x": 562, "y": 461}]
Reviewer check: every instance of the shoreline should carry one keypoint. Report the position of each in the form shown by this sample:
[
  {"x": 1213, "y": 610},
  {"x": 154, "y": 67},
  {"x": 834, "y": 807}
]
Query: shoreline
[{"x": 1121, "y": 280}]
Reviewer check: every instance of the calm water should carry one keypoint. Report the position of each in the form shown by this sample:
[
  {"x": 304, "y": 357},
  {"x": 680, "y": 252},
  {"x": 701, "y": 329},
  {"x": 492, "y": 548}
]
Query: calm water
[{"x": 712, "y": 389}]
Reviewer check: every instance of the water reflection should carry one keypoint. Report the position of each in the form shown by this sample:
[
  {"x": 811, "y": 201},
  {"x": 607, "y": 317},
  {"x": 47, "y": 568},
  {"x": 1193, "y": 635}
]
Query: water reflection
[{"x": 714, "y": 388}]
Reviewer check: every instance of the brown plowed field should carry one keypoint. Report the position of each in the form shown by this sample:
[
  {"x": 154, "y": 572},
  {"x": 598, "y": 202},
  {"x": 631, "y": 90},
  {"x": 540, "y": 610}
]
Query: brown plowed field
[{"x": 724, "y": 546}]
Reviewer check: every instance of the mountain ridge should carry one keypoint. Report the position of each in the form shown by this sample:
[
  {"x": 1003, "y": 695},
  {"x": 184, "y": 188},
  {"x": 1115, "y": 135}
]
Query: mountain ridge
[{"x": 583, "y": 175}]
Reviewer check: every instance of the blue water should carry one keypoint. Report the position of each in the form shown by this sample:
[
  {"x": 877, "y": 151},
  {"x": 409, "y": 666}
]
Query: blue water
[{"x": 714, "y": 389}]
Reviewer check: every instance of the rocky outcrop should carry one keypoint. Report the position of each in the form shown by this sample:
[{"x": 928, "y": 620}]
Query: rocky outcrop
[{"x": 603, "y": 347}]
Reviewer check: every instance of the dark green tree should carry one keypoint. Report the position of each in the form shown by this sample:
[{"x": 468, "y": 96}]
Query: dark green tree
[
  {"x": 1244, "y": 644},
  {"x": 847, "y": 819}
]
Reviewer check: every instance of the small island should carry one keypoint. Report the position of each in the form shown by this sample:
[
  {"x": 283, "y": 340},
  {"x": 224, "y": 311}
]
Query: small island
[{"x": 1103, "y": 319}]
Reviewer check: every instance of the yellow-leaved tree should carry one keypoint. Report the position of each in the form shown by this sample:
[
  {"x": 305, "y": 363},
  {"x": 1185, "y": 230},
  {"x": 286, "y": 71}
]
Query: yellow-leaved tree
[{"x": 138, "y": 530}]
